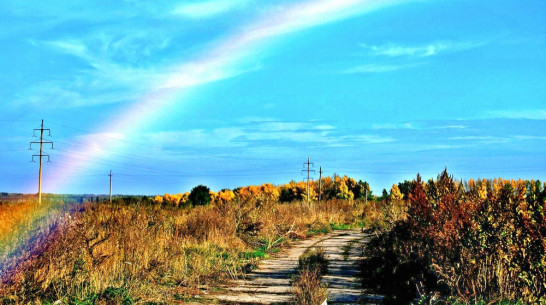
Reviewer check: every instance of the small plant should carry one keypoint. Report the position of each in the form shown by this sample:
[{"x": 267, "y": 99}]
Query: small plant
[
  {"x": 314, "y": 259},
  {"x": 307, "y": 287},
  {"x": 116, "y": 296}
]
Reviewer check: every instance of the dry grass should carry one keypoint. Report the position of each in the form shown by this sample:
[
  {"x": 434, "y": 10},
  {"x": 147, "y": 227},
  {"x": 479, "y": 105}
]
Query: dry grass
[
  {"x": 153, "y": 253},
  {"x": 307, "y": 287}
]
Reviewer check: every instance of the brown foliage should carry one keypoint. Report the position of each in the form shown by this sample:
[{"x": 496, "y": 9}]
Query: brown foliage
[{"x": 478, "y": 241}]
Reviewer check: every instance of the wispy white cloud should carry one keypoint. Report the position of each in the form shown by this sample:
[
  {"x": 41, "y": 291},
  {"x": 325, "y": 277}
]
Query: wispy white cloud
[
  {"x": 497, "y": 139},
  {"x": 232, "y": 57},
  {"x": 375, "y": 68},
  {"x": 197, "y": 138},
  {"x": 536, "y": 114},
  {"x": 393, "y": 126},
  {"x": 277, "y": 134},
  {"x": 207, "y": 9},
  {"x": 431, "y": 49},
  {"x": 482, "y": 139},
  {"x": 449, "y": 127},
  {"x": 120, "y": 66},
  {"x": 369, "y": 139},
  {"x": 527, "y": 137},
  {"x": 99, "y": 80},
  {"x": 437, "y": 147},
  {"x": 393, "y": 50}
]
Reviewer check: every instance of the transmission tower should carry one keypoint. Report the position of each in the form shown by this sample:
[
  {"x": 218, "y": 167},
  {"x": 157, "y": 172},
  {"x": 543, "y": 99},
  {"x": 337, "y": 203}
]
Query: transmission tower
[
  {"x": 110, "y": 185},
  {"x": 41, "y": 155},
  {"x": 308, "y": 170}
]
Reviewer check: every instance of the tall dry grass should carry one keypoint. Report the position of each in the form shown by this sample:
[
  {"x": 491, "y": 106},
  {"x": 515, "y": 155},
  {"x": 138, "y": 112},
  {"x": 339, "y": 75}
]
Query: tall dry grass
[
  {"x": 155, "y": 253},
  {"x": 307, "y": 286}
]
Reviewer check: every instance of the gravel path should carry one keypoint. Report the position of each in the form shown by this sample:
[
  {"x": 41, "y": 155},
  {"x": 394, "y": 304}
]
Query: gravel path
[{"x": 270, "y": 282}]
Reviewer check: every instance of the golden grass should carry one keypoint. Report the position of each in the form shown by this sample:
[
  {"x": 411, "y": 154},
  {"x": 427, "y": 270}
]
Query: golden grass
[
  {"x": 155, "y": 253},
  {"x": 307, "y": 287}
]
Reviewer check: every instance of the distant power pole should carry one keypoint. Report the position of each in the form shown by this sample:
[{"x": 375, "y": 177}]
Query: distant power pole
[
  {"x": 41, "y": 155},
  {"x": 320, "y": 184},
  {"x": 110, "y": 186},
  {"x": 308, "y": 172}
]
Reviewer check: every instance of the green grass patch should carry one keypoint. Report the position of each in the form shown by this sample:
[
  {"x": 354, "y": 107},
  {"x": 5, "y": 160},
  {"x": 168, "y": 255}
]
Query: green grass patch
[
  {"x": 338, "y": 226},
  {"x": 318, "y": 231},
  {"x": 258, "y": 253},
  {"x": 264, "y": 249}
]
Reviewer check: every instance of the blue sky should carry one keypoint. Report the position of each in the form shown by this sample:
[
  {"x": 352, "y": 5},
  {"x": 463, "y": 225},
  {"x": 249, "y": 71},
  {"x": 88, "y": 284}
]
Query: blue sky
[{"x": 171, "y": 94}]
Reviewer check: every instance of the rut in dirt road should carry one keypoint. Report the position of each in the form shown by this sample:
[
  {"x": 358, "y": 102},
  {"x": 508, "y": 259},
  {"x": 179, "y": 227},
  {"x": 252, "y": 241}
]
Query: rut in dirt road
[
  {"x": 344, "y": 253},
  {"x": 270, "y": 282}
]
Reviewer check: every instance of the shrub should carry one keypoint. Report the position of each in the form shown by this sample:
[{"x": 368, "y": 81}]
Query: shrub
[
  {"x": 477, "y": 241},
  {"x": 314, "y": 259},
  {"x": 308, "y": 289}
]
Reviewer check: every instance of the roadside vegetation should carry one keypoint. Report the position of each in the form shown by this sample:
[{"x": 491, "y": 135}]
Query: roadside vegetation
[
  {"x": 155, "y": 250},
  {"x": 449, "y": 242},
  {"x": 441, "y": 241}
]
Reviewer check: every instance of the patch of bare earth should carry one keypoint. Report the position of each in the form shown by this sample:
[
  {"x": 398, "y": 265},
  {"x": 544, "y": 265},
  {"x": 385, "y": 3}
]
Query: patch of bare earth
[{"x": 270, "y": 282}]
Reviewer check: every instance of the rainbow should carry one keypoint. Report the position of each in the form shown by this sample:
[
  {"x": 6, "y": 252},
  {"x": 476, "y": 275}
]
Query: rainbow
[{"x": 225, "y": 60}]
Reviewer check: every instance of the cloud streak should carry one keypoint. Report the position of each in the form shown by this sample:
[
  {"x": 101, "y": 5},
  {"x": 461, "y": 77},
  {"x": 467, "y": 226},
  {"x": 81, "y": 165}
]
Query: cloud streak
[
  {"x": 207, "y": 9},
  {"x": 274, "y": 134},
  {"x": 427, "y": 50},
  {"x": 375, "y": 68},
  {"x": 536, "y": 114}
]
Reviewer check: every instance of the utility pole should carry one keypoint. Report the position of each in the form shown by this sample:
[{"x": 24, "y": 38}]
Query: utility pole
[
  {"x": 308, "y": 163},
  {"x": 320, "y": 184},
  {"x": 110, "y": 186},
  {"x": 41, "y": 155}
]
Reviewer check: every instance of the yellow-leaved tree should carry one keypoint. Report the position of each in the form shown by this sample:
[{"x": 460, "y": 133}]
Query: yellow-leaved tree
[{"x": 397, "y": 207}]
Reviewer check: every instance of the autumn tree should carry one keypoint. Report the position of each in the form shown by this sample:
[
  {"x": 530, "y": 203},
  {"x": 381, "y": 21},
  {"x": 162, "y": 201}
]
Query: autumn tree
[
  {"x": 292, "y": 191},
  {"x": 342, "y": 190},
  {"x": 404, "y": 187},
  {"x": 395, "y": 194},
  {"x": 362, "y": 189},
  {"x": 200, "y": 195}
]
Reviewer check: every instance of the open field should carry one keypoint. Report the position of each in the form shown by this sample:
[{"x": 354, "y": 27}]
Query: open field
[
  {"x": 440, "y": 241},
  {"x": 147, "y": 251}
]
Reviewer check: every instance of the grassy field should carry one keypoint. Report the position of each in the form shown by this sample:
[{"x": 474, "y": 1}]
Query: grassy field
[
  {"x": 437, "y": 242},
  {"x": 149, "y": 253}
]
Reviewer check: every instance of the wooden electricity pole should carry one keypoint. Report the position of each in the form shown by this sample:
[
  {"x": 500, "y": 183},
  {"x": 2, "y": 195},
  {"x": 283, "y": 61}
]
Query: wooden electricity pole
[
  {"x": 320, "y": 184},
  {"x": 41, "y": 155}
]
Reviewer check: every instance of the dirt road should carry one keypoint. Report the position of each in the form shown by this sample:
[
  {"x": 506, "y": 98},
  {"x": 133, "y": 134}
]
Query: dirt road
[{"x": 270, "y": 282}]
